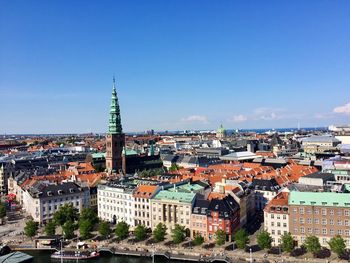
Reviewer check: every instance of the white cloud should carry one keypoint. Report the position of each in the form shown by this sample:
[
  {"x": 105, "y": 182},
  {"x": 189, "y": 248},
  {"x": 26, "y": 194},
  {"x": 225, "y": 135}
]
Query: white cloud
[
  {"x": 238, "y": 118},
  {"x": 345, "y": 109},
  {"x": 267, "y": 113},
  {"x": 270, "y": 116},
  {"x": 324, "y": 115},
  {"x": 196, "y": 118}
]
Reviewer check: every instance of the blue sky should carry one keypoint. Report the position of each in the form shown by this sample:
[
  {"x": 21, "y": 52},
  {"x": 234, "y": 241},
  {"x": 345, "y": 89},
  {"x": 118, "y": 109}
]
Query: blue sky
[{"x": 178, "y": 64}]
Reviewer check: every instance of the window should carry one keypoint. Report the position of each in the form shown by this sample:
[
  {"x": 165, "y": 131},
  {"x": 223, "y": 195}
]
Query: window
[
  {"x": 272, "y": 223},
  {"x": 347, "y": 232},
  {"x": 324, "y": 212},
  {"x": 273, "y": 232},
  {"x": 284, "y": 224},
  {"x": 301, "y": 210},
  {"x": 324, "y": 231},
  {"x": 324, "y": 240},
  {"x": 331, "y": 222},
  {"x": 339, "y": 222},
  {"x": 324, "y": 221},
  {"x": 346, "y": 212},
  {"x": 317, "y": 221},
  {"x": 302, "y": 230},
  {"x": 339, "y": 212},
  {"x": 309, "y": 230},
  {"x": 317, "y": 211},
  {"x": 309, "y": 220},
  {"x": 272, "y": 216},
  {"x": 331, "y": 212},
  {"x": 331, "y": 232},
  {"x": 317, "y": 231},
  {"x": 295, "y": 211},
  {"x": 339, "y": 232},
  {"x": 301, "y": 220},
  {"x": 284, "y": 217},
  {"x": 346, "y": 222}
]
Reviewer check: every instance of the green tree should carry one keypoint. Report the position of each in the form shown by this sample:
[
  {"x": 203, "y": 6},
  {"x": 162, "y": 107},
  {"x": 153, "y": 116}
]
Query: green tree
[
  {"x": 337, "y": 245},
  {"x": 287, "y": 242},
  {"x": 68, "y": 229},
  {"x": 31, "y": 228},
  {"x": 140, "y": 232},
  {"x": 241, "y": 238},
  {"x": 178, "y": 234},
  {"x": 220, "y": 237},
  {"x": 2, "y": 212},
  {"x": 198, "y": 240},
  {"x": 173, "y": 167},
  {"x": 122, "y": 230},
  {"x": 159, "y": 232},
  {"x": 89, "y": 214},
  {"x": 99, "y": 168},
  {"x": 104, "y": 229},
  {"x": 264, "y": 239},
  {"x": 65, "y": 213},
  {"x": 312, "y": 244},
  {"x": 85, "y": 228},
  {"x": 50, "y": 228}
]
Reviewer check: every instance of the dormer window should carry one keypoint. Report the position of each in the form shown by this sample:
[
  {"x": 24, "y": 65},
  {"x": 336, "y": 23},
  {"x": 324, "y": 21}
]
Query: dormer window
[
  {"x": 71, "y": 190},
  {"x": 49, "y": 193}
]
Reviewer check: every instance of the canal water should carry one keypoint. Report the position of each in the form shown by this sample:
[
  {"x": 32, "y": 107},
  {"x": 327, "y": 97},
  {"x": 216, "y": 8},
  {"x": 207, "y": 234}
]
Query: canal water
[{"x": 44, "y": 257}]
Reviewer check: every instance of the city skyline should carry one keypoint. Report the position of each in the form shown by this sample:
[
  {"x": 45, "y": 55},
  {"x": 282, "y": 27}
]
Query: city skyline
[{"x": 180, "y": 65}]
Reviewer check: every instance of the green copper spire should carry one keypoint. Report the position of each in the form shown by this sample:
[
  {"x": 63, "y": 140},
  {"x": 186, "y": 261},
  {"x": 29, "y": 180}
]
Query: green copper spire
[{"x": 115, "y": 124}]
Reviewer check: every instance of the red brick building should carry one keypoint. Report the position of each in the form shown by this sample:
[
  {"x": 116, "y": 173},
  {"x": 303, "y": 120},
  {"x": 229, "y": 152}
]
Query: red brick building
[{"x": 223, "y": 214}]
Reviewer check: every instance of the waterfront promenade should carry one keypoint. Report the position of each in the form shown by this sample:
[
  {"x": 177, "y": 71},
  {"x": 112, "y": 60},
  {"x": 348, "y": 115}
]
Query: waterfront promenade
[{"x": 192, "y": 254}]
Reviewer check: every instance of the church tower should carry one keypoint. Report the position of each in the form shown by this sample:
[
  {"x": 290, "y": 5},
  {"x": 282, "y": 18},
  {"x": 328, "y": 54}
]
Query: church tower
[{"x": 115, "y": 139}]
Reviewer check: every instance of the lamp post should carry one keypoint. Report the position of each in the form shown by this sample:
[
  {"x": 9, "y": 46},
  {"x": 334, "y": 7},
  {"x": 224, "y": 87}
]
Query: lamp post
[
  {"x": 279, "y": 250},
  {"x": 251, "y": 255},
  {"x": 62, "y": 249},
  {"x": 153, "y": 250}
]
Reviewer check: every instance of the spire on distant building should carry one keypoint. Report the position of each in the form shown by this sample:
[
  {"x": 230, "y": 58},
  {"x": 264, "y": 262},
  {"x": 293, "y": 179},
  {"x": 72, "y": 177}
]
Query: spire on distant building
[
  {"x": 115, "y": 138},
  {"x": 115, "y": 125}
]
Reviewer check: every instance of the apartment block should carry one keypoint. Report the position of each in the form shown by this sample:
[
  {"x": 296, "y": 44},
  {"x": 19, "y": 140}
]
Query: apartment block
[
  {"x": 116, "y": 203},
  {"x": 324, "y": 214},
  {"x": 143, "y": 211},
  {"x": 276, "y": 217},
  {"x": 42, "y": 200}
]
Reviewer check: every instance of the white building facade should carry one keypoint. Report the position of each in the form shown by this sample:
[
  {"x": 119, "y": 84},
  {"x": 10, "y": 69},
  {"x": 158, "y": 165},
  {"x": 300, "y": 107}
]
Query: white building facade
[{"x": 116, "y": 203}]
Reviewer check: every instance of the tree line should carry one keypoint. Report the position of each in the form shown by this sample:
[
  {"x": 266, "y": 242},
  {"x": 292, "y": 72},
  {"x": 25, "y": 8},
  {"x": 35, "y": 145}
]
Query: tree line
[{"x": 68, "y": 218}]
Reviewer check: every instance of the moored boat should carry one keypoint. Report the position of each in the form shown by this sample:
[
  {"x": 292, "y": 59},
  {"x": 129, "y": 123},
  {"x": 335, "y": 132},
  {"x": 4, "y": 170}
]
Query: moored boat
[{"x": 74, "y": 255}]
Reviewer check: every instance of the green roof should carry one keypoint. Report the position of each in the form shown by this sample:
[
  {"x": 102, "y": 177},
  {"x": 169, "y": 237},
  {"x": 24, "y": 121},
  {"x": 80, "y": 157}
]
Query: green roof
[
  {"x": 103, "y": 155},
  {"x": 16, "y": 257},
  {"x": 177, "y": 196},
  {"x": 130, "y": 152},
  {"x": 319, "y": 199},
  {"x": 98, "y": 155},
  {"x": 187, "y": 188}
]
